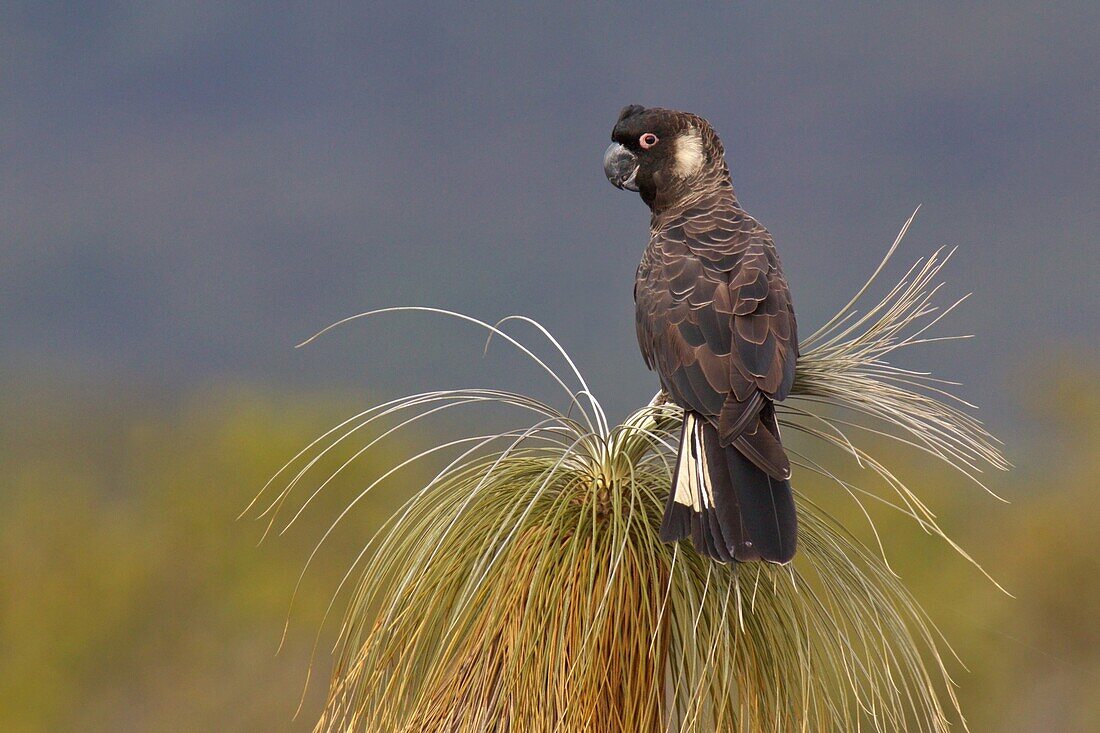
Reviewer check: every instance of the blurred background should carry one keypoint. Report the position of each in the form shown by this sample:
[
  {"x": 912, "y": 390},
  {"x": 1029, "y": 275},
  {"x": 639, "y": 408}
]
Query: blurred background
[{"x": 190, "y": 189}]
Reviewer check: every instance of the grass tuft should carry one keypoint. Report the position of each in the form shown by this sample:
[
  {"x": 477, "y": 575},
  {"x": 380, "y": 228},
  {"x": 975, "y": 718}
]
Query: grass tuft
[{"x": 524, "y": 588}]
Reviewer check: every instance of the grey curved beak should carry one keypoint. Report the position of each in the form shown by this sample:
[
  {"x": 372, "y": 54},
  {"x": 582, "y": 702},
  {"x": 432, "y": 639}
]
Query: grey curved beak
[{"x": 621, "y": 167}]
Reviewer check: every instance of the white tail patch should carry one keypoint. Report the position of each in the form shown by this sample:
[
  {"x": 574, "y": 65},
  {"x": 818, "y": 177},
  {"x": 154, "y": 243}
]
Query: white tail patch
[
  {"x": 692, "y": 479},
  {"x": 689, "y": 153}
]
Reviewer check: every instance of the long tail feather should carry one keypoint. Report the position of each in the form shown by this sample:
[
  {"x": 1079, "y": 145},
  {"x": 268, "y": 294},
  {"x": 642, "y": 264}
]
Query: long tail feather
[{"x": 731, "y": 509}]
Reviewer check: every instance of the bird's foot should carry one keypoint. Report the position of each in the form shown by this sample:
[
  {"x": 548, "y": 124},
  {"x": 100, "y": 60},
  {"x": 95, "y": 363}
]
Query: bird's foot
[{"x": 661, "y": 398}]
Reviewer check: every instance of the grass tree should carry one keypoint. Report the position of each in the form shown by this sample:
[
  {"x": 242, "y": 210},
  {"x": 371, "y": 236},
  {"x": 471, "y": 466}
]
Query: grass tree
[{"x": 524, "y": 588}]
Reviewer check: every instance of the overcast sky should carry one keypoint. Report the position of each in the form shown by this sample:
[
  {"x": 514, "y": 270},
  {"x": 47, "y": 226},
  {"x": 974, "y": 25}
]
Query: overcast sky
[{"x": 187, "y": 190}]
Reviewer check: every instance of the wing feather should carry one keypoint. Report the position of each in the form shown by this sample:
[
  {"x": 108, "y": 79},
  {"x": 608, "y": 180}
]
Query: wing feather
[{"x": 715, "y": 319}]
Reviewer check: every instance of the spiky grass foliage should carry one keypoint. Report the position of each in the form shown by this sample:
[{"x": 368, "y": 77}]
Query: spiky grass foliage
[
  {"x": 524, "y": 587},
  {"x": 843, "y": 370}
]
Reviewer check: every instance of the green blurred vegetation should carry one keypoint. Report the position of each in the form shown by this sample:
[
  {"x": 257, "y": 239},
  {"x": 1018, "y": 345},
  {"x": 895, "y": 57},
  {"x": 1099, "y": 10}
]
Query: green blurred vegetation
[
  {"x": 132, "y": 599},
  {"x": 1032, "y": 661}
]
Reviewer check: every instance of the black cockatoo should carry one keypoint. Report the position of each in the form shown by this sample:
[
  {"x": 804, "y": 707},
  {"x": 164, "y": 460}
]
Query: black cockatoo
[{"x": 715, "y": 321}]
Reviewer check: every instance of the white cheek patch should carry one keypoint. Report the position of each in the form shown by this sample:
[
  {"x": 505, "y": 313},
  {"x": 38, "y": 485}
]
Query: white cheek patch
[{"x": 688, "y": 154}]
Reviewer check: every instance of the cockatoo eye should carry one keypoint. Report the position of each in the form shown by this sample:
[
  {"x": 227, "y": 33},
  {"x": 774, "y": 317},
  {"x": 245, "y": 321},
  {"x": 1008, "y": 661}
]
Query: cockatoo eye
[{"x": 647, "y": 141}]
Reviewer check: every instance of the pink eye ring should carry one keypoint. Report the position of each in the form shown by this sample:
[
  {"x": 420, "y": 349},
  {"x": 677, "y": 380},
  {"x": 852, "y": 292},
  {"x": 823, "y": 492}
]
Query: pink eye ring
[{"x": 648, "y": 140}]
